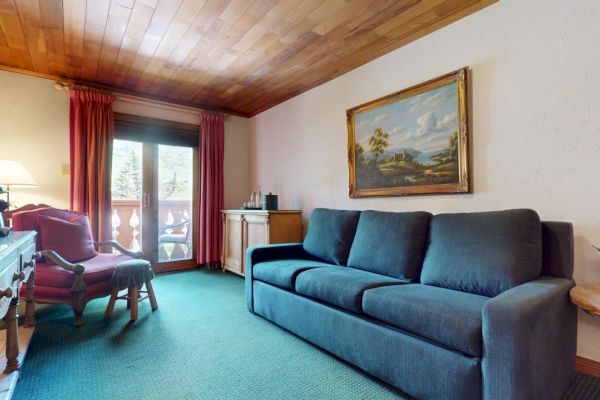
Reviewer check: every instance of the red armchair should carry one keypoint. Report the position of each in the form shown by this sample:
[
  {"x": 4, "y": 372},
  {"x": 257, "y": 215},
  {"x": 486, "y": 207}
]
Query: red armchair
[{"x": 60, "y": 281}]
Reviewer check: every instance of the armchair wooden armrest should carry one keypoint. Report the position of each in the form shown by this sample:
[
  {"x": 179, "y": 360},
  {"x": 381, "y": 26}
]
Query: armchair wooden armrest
[
  {"x": 61, "y": 262},
  {"x": 121, "y": 249}
]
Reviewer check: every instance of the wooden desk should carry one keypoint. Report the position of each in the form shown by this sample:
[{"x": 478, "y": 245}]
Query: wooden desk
[{"x": 17, "y": 264}]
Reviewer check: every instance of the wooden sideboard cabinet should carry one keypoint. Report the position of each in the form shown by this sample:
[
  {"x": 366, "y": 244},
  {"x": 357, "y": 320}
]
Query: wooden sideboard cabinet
[
  {"x": 245, "y": 228},
  {"x": 17, "y": 264}
]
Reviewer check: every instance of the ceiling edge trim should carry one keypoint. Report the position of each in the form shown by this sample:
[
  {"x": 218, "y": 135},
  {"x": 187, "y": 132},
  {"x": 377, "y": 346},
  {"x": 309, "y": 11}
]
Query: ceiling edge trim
[{"x": 118, "y": 92}]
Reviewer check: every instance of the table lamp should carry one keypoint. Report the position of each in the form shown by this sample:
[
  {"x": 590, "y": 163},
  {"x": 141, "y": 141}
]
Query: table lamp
[{"x": 13, "y": 174}]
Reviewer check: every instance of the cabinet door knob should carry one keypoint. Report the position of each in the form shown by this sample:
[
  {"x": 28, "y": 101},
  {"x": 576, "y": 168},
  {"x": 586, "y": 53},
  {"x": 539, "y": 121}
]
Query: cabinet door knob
[
  {"x": 6, "y": 293},
  {"x": 20, "y": 276}
]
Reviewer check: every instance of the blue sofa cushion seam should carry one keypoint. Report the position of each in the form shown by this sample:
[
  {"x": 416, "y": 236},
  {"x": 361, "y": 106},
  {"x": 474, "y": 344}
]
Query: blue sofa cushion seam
[{"x": 377, "y": 322}]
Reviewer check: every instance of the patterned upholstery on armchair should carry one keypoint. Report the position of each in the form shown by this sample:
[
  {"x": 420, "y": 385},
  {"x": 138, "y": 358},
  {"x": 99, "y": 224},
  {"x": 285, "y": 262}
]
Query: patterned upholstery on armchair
[{"x": 59, "y": 281}]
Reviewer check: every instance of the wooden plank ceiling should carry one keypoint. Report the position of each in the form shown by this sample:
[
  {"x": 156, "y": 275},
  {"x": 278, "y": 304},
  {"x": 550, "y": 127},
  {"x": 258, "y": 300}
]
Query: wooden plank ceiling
[{"x": 239, "y": 56}]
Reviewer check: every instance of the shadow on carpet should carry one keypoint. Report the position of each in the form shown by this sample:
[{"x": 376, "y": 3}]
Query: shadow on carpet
[{"x": 202, "y": 343}]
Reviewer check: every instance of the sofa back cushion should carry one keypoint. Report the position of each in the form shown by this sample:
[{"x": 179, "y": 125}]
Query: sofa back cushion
[
  {"x": 72, "y": 239},
  {"x": 391, "y": 243},
  {"x": 330, "y": 234},
  {"x": 484, "y": 253}
]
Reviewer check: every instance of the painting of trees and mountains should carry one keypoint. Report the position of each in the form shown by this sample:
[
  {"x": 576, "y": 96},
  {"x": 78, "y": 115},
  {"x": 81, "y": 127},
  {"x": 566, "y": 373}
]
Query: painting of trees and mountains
[{"x": 411, "y": 144}]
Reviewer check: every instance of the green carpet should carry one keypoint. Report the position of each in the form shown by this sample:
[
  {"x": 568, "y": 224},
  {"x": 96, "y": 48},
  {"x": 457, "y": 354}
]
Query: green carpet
[{"x": 202, "y": 343}]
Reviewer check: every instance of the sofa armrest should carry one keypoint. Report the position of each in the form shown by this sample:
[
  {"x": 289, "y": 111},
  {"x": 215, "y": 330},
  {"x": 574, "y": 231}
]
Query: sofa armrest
[
  {"x": 256, "y": 254},
  {"x": 529, "y": 341}
]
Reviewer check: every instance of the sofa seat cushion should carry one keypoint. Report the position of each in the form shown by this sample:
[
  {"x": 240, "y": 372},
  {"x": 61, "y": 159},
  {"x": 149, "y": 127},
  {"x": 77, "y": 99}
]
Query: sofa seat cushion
[
  {"x": 330, "y": 234},
  {"x": 445, "y": 316},
  {"x": 483, "y": 253},
  {"x": 340, "y": 286},
  {"x": 97, "y": 269},
  {"x": 391, "y": 243},
  {"x": 283, "y": 273}
]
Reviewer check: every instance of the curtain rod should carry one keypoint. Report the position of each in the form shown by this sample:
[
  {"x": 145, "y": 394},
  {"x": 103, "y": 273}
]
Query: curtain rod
[
  {"x": 63, "y": 83},
  {"x": 60, "y": 85},
  {"x": 163, "y": 104}
]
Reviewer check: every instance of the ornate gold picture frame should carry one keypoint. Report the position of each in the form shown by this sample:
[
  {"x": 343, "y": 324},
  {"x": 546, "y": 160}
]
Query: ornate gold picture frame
[{"x": 415, "y": 141}]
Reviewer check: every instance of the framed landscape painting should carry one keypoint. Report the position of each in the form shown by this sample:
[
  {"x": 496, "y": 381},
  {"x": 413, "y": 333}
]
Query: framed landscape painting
[{"x": 412, "y": 142}]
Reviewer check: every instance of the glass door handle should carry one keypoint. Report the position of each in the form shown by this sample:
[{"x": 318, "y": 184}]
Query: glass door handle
[{"x": 146, "y": 202}]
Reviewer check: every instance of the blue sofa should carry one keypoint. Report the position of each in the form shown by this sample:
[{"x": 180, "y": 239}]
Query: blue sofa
[{"x": 451, "y": 306}]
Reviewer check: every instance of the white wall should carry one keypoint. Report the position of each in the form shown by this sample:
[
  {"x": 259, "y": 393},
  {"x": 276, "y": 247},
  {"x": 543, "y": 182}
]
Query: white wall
[
  {"x": 536, "y": 126},
  {"x": 34, "y": 129}
]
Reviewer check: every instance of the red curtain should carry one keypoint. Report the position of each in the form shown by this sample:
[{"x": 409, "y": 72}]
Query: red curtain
[
  {"x": 210, "y": 189},
  {"x": 92, "y": 129}
]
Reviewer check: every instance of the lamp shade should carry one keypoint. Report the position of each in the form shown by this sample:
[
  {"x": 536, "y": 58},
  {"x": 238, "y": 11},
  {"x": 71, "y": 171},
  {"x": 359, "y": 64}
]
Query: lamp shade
[{"x": 12, "y": 173}]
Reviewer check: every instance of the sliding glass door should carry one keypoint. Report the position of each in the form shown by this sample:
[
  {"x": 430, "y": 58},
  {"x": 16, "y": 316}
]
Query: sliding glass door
[
  {"x": 154, "y": 205},
  {"x": 175, "y": 203},
  {"x": 127, "y": 193}
]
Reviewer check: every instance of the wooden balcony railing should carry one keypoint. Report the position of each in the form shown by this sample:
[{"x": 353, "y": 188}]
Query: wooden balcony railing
[{"x": 127, "y": 225}]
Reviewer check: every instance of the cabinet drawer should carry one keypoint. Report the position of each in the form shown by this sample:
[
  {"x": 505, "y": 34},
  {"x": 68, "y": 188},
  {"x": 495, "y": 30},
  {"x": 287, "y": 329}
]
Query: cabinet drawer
[
  {"x": 256, "y": 219},
  {"x": 6, "y": 281},
  {"x": 9, "y": 258}
]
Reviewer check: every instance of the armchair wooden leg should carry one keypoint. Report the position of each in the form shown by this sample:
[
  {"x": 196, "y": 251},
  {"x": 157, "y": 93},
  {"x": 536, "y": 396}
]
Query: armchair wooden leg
[
  {"x": 151, "y": 295},
  {"x": 134, "y": 300},
  {"x": 128, "y": 298},
  {"x": 78, "y": 305},
  {"x": 29, "y": 304},
  {"x": 111, "y": 303}
]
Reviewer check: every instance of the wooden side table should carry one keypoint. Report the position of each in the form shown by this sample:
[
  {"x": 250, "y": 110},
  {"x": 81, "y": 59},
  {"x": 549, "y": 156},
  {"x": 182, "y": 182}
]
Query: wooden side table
[{"x": 587, "y": 298}]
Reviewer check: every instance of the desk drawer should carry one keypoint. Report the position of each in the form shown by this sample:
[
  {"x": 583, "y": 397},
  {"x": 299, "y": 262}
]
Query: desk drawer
[
  {"x": 6, "y": 281},
  {"x": 9, "y": 258},
  {"x": 27, "y": 255}
]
